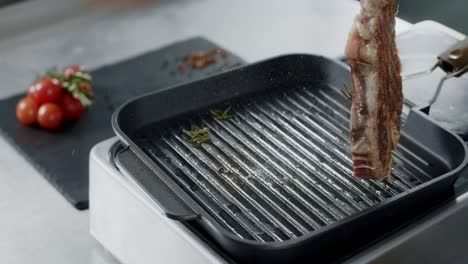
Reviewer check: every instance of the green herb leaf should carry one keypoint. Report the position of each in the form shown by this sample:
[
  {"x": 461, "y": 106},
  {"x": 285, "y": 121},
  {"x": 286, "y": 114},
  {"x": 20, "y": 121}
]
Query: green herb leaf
[
  {"x": 219, "y": 114},
  {"x": 73, "y": 84},
  {"x": 198, "y": 136},
  {"x": 80, "y": 76}
]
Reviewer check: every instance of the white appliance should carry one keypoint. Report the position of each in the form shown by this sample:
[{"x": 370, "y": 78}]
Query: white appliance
[{"x": 133, "y": 228}]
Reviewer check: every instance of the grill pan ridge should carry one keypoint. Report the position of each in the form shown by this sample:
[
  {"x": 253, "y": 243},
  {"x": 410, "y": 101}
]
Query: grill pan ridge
[{"x": 274, "y": 182}]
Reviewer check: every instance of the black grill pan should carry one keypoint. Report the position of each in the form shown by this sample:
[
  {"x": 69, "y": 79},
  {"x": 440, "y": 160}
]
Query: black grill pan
[{"x": 273, "y": 184}]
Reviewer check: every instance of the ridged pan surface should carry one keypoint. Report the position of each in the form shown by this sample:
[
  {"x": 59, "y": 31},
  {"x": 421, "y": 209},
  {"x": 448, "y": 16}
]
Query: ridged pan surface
[{"x": 279, "y": 167}]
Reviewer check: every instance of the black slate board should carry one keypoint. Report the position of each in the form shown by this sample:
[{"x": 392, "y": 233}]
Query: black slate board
[{"x": 62, "y": 156}]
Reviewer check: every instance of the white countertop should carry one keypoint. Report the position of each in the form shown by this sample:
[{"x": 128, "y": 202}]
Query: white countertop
[{"x": 37, "y": 224}]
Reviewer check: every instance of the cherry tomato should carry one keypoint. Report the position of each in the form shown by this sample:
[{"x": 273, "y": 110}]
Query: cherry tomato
[
  {"x": 71, "y": 107},
  {"x": 49, "y": 116},
  {"x": 26, "y": 111},
  {"x": 45, "y": 90},
  {"x": 72, "y": 69},
  {"x": 31, "y": 90}
]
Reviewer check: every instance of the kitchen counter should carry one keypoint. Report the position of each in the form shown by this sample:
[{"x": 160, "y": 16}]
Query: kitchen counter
[{"x": 38, "y": 225}]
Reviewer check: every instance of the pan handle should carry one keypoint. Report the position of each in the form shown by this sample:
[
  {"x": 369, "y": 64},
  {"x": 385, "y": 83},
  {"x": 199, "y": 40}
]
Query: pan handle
[
  {"x": 155, "y": 185},
  {"x": 454, "y": 61}
]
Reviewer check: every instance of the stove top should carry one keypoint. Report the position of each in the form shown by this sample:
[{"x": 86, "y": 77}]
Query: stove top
[{"x": 133, "y": 227}]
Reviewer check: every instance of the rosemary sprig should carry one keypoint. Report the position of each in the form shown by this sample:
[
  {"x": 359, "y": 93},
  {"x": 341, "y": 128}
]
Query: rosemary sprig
[
  {"x": 197, "y": 132},
  {"x": 221, "y": 114},
  {"x": 80, "y": 75},
  {"x": 54, "y": 74},
  {"x": 73, "y": 84},
  {"x": 198, "y": 136}
]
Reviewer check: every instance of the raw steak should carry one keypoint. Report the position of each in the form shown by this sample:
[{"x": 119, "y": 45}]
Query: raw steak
[{"x": 377, "y": 97}]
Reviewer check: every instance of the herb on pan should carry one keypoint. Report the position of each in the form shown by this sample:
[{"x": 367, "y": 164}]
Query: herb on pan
[
  {"x": 198, "y": 136},
  {"x": 221, "y": 114},
  {"x": 347, "y": 92}
]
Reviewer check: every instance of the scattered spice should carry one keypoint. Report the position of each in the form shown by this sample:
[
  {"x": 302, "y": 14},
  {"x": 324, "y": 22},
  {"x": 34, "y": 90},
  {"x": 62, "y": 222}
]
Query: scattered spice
[
  {"x": 222, "y": 52},
  {"x": 201, "y": 59},
  {"x": 221, "y": 114},
  {"x": 198, "y": 136},
  {"x": 182, "y": 68},
  {"x": 223, "y": 170},
  {"x": 223, "y": 55}
]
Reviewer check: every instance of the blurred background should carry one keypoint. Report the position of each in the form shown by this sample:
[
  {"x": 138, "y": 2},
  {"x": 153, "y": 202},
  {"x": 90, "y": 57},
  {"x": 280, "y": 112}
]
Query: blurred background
[{"x": 450, "y": 12}]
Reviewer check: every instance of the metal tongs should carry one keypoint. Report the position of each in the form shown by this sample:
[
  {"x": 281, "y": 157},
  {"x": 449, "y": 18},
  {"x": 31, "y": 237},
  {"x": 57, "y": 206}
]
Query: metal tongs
[{"x": 453, "y": 61}]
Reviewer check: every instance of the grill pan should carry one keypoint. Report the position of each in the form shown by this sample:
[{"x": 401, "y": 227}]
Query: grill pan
[{"x": 274, "y": 184}]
